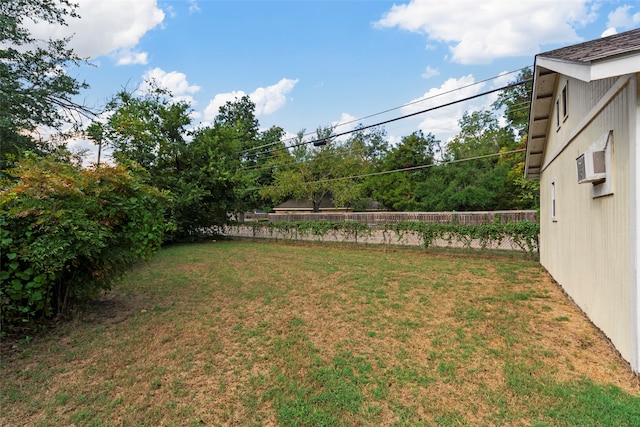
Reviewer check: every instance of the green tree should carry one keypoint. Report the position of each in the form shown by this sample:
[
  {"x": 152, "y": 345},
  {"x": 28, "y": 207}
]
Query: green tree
[
  {"x": 480, "y": 134},
  {"x": 523, "y": 193},
  {"x": 254, "y": 150},
  {"x": 516, "y": 101},
  {"x": 470, "y": 181},
  {"x": 148, "y": 129},
  {"x": 318, "y": 169},
  {"x": 397, "y": 191},
  {"x": 207, "y": 192},
  {"x": 202, "y": 176},
  {"x": 239, "y": 115},
  {"x": 370, "y": 145},
  {"x": 36, "y": 89},
  {"x": 258, "y": 173}
]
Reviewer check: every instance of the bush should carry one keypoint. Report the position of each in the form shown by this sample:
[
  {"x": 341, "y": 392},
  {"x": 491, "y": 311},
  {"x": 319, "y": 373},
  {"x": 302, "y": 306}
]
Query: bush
[{"x": 66, "y": 233}]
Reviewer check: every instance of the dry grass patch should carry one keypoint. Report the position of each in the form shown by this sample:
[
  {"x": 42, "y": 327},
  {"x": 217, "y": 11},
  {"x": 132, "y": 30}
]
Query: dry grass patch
[{"x": 239, "y": 333}]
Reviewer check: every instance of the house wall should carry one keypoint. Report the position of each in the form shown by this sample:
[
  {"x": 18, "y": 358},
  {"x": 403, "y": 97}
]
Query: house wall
[{"x": 587, "y": 247}]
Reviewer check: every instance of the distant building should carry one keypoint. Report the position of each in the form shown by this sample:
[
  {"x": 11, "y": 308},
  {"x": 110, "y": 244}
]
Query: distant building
[
  {"x": 584, "y": 146},
  {"x": 305, "y": 206}
]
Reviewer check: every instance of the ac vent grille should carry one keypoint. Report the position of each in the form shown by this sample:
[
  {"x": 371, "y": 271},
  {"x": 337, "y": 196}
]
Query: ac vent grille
[{"x": 591, "y": 167}]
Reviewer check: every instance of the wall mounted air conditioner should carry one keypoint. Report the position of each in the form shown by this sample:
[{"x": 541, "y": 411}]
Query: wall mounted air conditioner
[{"x": 591, "y": 166}]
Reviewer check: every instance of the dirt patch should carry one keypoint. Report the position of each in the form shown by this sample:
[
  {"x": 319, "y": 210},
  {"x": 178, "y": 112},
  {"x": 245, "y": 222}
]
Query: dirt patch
[{"x": 580, "y": 348}]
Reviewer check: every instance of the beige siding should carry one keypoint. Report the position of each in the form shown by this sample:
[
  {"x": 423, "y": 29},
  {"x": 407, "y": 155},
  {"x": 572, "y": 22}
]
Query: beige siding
[
  {"x": 581, "y": 101},
  {"x": 587, "y": 249}
]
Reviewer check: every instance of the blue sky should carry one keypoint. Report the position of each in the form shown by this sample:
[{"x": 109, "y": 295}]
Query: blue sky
[{"x": 316, "y": 63}]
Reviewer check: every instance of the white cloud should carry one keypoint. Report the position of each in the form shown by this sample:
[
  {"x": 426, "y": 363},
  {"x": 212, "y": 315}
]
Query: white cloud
[
  {"x": 218, "y": 101},
  {"x": 174, "y": 81},
  {"x": 170, "y": 10},
  {"x": 430, "y": 72},
  {"x": 621, "y": 18},
  {"x": 272, "y": 98},
  {"x": 451, "y": 90},
  {"x": 129, "y": 57},
  {"x": 267, "y": 99},
  {"x": 106, "y": 26},
  {"x": 443, "y": 122},
  {"x": 346, "y": 123},
  {"x": 480, "y": 31},
  {"x": 193, "y": 6}
]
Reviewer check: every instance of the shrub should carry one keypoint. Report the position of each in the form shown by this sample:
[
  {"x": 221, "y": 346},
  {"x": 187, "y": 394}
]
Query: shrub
[{"x": 66, "y": 233}]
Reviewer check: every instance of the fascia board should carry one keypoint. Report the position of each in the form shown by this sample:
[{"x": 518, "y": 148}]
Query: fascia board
[
  {"x": 596, "y": 70},
  {"x": 580, "y": 71},
  {"x": 614, "y": 67}
]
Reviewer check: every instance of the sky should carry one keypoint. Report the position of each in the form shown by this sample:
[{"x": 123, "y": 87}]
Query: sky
[{"x": 309, "y": 64}]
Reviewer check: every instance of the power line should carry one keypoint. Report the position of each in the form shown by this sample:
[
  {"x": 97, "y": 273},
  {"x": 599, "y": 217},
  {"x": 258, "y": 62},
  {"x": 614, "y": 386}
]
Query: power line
[
  {"x": 394, "y": 108},
  {"x": 366, "y": 175},
  {"x": 417, "y": 167},
  {"x": 317, "y": 141},
  {"x": 428, "y": 98},
  {"x": 294, "y": 161},
  {"x": 522, "y": 106}
]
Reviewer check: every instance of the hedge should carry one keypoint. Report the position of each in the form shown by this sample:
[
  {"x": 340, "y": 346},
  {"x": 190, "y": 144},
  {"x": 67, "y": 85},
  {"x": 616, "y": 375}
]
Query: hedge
[{"x": 66, "y": 233}]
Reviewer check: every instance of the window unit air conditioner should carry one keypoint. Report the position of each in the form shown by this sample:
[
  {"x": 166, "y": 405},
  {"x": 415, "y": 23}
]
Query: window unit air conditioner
[{"x": 591, "y": 167}]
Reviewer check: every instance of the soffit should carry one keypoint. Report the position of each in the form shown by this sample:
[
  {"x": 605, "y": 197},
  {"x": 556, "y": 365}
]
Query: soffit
[{"x": 544, "y": 85}]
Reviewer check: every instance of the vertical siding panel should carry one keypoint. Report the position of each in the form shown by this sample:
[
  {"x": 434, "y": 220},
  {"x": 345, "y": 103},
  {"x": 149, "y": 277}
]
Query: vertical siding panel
[{"x": 587, "y": 250}]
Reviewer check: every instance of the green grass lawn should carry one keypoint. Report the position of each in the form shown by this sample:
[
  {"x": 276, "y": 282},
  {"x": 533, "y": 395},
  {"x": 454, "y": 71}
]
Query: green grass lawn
[{"x": 250, "y": 333}]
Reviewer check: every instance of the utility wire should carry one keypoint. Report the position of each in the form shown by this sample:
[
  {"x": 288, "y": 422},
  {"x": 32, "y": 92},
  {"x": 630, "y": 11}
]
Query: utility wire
[
  {"x": 428, "y": 98},
  {"x": 316, "y": 141},
  {"x": 395, "y": 108},
  {"x": 524, "y": 106},
  {"x": 366, "y": 175},
  {"x": 294, "y": 161}
]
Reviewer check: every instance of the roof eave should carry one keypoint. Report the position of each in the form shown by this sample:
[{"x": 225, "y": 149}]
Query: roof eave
[
  {"x": 541, "y": 109},
  {"x": 588, "y": 71},
  {"x": 544, "y": 81}
]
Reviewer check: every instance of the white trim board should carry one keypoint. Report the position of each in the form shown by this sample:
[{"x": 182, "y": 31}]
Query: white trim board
[
  {"x": 634, "y": 160},
  {"x": 595, "y": 70}
]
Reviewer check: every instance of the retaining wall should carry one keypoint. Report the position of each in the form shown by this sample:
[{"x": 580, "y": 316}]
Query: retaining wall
[{"x": 375, "y": 237}]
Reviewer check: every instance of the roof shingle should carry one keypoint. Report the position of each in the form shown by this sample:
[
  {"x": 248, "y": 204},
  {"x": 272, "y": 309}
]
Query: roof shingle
[{"x": 594, "y": 50}]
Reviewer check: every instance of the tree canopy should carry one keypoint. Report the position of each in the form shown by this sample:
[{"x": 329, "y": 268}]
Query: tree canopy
[
  {"x": 155, "y": 131},
  {"x": 36, "y": 89},
  {"x": 323, "y": 169}
]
